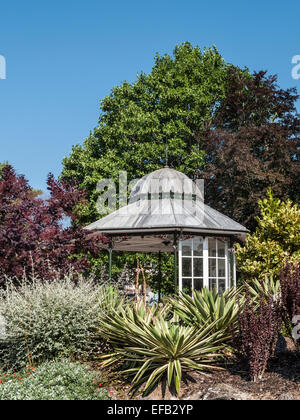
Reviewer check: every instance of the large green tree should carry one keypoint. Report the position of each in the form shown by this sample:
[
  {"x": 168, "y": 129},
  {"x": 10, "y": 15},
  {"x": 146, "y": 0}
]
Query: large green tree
[
  {"x": 175, "y": 101},
  {"x": 252, "y": 144},
  {"x": 239, "y": 131}
]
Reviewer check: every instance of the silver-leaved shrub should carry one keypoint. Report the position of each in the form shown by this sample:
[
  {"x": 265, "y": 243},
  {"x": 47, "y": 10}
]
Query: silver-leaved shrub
[
  {"x": 45, "y": 320},
  {"x": 55, "y": 380}
]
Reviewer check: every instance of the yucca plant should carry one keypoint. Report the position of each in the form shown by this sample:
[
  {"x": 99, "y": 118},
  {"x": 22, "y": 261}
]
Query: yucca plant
[
  {"x": 269, "y": 287},
  {"x": 110, "y": 299},
  {"x": 208, "y": 306},
  {"x": 150, "y": 346},
  {"x": 123, "y": 325}
]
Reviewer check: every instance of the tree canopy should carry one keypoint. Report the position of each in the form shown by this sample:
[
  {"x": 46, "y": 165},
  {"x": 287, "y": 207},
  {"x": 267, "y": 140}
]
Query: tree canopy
[
  {"x": 175, "y": 101},
  {"x": 32, "y": 235},
  {"x": 252, "y": 144},
  {"x": 237, "y": 130}
]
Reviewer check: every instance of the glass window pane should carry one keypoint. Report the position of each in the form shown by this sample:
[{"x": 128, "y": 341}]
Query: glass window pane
[
  {"x": 221, "y": 248},
  {"x": 198, "y": 247},
  {"x": 222, "y": 285},
  {"x": 187, "y": 267},
  {"x": 187, "y": 248},
  {"x": 198, "y": 267},
  {"x": 212, "y": 283},
  {"x": 221, "y": 268},
  {"x": 212, "y": 267},
  {"x": 212, "y": 247},
  {"x": 198, "y": 284},
  {"x": 187, "y": 286}
]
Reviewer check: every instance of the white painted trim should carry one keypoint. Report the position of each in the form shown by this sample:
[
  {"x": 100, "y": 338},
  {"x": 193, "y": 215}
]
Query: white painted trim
[
  {"x": 226, "y": 266},
  {"x": 180, "y": 265},
  {"x": 192, "y": 258},
  {"x": 205, "y": 262},
  {"x": 234, "y": 269},
  {"x": 229, "y": 269}
]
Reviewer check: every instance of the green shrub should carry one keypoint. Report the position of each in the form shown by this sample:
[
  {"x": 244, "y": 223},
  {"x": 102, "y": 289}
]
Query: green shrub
[
  {"x": 149, "y": 346},
  {"x": 276, "y": 238},
  {"x": 208, "y": 306},
  {"x": 52, "y": 319},
  {"x": 55, "y": 380}
]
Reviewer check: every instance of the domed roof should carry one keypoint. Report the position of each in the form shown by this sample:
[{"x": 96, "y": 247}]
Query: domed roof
[
  {"x": 164, "y": 202},
  {"x": 165, "y": 183}
]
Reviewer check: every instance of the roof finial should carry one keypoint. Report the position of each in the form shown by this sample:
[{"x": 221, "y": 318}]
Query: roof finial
[{"x": 167, "y": 151}]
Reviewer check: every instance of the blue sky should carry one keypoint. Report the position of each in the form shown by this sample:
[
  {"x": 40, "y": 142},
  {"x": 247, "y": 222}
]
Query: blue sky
[{"x": 64, "y": 56}]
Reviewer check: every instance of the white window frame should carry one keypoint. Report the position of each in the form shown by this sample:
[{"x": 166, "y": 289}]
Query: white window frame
[{"x": 206, "y": 263}]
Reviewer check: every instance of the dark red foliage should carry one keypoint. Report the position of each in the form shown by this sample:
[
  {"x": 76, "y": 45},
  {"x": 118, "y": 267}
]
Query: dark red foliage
[
  {"x": 32, "y": 235},
  {"x": 251, "y": 145},
  {"x": 290, "y": 289},
  {"x": 258, "y": 330}
]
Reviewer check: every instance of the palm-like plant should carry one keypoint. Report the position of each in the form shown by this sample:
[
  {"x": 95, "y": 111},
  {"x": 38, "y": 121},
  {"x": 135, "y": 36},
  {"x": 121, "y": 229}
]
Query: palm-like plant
[
  {"x": 270, "y": 287},
  {"x": 208, "y": 306},
  {"x": 110, "y": 299},
  {"x": 151, "y": 346}
]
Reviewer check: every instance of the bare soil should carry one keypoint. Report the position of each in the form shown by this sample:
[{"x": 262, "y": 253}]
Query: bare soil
[{"x": 281, "y": 377}]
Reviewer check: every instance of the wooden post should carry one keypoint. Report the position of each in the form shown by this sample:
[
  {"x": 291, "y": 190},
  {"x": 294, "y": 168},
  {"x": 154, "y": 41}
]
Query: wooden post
[
  {"x": 159, "y": 277},
  {"x": 175, "y": 263},
  {"x": 144, "y": 283},
  {"x": 110, "y": 249}
]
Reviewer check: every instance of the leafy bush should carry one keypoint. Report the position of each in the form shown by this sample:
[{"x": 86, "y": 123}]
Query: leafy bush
[
  {"x": 258, "y": 330},
  {"x": 290, "y": 287},
  {"x": 149, "y": 346},
  {"x": 277, "y": 237},
  {"x": 54, "y": 380},
  {"x": 52, "y": 319},
  {"x": 207, "y": 306},
  {"x": 32, "y": 232}
]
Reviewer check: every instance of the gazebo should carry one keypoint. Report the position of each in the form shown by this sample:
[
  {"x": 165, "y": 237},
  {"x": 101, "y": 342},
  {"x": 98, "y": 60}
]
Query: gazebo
[{"x": 167, "y": 213}]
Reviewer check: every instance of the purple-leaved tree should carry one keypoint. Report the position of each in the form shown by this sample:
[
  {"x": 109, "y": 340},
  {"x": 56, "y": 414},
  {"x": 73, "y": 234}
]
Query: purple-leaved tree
[{"x": 32, "y": 231}]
